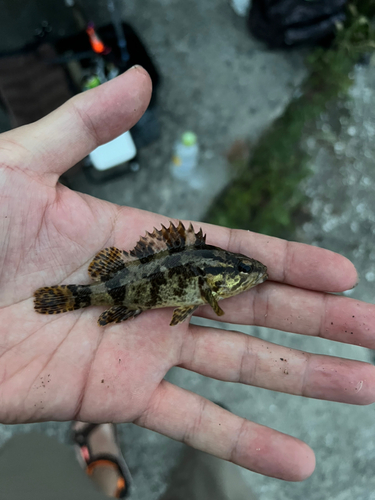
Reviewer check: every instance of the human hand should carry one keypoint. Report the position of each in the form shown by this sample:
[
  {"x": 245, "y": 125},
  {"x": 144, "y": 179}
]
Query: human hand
[{"x": 66, "y": 367}]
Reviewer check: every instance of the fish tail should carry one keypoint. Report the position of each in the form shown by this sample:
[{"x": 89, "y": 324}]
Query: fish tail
[{"x": 63, "y": 298}]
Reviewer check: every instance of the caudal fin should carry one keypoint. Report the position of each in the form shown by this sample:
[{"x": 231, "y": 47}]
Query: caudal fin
[{"x": 56, "y": 299}]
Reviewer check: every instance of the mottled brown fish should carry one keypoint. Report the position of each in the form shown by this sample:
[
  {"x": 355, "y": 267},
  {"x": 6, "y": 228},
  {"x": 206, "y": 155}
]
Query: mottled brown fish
[{"x": 172, "y": 267}]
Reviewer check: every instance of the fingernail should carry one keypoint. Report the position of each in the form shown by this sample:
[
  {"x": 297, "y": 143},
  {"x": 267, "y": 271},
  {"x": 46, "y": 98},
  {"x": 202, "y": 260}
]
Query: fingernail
[
  {"x": 351, "y": 290},
  {"x": 356, "y": 284},
  {"x": 136, "y": 66}
]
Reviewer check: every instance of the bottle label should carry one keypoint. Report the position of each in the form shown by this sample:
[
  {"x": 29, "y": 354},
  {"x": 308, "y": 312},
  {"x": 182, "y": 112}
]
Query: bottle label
[{"x": 176, "y": 160}]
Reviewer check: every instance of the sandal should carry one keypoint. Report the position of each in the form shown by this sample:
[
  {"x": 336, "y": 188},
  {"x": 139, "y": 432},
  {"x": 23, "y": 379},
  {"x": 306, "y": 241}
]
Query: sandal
[{"x": 89, "y": 460}]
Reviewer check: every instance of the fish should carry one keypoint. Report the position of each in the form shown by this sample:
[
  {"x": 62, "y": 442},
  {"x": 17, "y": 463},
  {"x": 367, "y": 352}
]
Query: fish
[{"x": 170, "y": 267}]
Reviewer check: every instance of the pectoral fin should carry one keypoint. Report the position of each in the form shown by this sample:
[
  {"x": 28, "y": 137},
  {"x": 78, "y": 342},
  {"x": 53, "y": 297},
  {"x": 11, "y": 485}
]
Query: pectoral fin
[
  {"x": 181, "y": 313},
  {"x": 207, "y": 296},
  {"x": 116, "y": 314}
]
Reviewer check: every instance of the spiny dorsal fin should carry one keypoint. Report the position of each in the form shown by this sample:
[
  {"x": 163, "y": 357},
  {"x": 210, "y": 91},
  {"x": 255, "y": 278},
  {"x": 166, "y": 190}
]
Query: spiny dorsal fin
[
  {"x": 107, "y": 263},
  {"x": 172, "y": 239}
]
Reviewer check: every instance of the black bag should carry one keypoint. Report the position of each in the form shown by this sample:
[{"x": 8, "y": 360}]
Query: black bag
[{"x": 287, "y": 23}]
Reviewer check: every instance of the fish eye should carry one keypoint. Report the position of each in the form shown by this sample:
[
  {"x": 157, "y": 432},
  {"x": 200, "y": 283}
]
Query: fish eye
[{"x": 244, "y": 268}]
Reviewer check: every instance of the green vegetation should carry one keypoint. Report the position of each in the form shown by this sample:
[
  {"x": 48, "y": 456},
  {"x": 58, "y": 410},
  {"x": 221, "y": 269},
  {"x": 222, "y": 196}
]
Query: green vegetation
[{"x": 265, "y": 196}]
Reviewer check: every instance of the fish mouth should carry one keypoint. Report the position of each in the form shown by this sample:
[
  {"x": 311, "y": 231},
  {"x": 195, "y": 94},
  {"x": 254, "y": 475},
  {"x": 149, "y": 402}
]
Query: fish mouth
[
  {"x": 257, "y": 280},
  {"x": 262, "y": 278}
]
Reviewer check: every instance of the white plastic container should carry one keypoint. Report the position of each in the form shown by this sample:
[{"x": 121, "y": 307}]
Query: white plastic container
[
  {"x": 185, "y": 157},
  {"x": 115, "y": 152}
]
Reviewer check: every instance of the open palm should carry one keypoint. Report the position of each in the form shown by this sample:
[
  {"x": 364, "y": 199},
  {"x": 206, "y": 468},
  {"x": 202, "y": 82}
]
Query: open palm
[{"x": 66, "y": 367}]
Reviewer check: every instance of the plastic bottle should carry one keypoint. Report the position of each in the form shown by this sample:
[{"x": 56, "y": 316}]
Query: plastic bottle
[{"x": 185, "y": 158}]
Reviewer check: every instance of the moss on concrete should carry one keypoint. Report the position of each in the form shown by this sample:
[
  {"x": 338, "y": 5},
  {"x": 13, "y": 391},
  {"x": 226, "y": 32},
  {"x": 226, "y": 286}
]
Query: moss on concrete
[{"x": 265, "y": 196}]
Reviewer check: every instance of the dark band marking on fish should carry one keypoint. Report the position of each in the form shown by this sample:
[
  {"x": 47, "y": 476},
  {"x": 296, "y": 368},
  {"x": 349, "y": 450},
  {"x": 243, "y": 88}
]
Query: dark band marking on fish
[{"x": 118, "y": 294}]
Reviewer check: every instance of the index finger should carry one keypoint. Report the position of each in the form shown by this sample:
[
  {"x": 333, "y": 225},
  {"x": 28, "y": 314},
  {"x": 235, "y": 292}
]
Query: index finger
[{"x": 295, "y": 264}]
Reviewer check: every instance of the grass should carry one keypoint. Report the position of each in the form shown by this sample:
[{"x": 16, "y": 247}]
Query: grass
[{"x": 265, "y": 195}]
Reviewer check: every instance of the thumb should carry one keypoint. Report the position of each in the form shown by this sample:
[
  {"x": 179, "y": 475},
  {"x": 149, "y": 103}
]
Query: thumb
[{"x": 55, "y": 143}]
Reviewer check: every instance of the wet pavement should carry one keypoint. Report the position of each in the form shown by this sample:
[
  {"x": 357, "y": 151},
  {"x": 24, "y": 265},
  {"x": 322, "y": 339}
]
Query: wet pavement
[{"x": 343, "y": 183}]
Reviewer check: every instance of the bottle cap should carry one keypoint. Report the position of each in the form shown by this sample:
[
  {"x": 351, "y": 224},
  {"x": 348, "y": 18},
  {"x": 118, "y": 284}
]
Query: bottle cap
[
  {"x": 91, "y": 82},
  {"x": 189, "y": 138}
]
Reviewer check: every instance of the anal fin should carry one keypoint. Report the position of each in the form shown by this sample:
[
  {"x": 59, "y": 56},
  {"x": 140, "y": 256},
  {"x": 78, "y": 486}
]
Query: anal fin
[
  {"x": 116, "y": 314},
  {"x": 181, "y": 313}
]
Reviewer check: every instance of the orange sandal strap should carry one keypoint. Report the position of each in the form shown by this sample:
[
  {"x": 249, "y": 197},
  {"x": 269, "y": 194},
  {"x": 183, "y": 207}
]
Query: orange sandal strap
[
  {"x": 81, "y": 438},
  {"x": 106, "y": 462}
]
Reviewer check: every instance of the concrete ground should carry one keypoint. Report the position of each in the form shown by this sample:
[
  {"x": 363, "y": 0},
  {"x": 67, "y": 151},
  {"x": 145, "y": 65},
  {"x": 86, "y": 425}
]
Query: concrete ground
[
  {"x": 224, "y": 85},
  {"x": 218, "y": 82}
]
